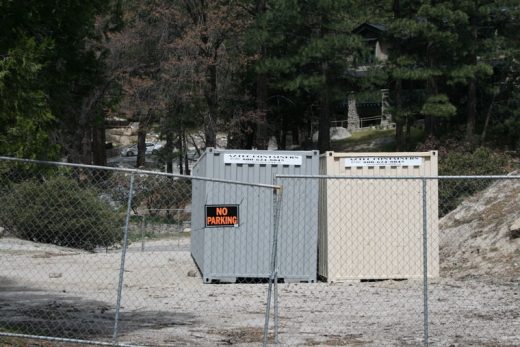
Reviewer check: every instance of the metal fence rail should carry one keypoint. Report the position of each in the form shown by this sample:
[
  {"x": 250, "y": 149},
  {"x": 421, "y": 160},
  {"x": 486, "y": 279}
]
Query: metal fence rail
[{"x": 117, "y": 257}]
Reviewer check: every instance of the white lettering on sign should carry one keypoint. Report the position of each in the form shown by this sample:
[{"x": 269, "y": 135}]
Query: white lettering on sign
[
  {"x": 272, "y": 159},
  {"x": 383, "y": 161}
]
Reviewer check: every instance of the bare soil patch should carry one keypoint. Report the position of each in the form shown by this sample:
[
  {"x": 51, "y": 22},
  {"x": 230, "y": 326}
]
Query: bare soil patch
[{"x": 163, "y": 306}]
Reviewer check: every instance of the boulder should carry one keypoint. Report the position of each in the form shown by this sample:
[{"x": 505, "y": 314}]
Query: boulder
[
  {"x": 336, "y": 134},
  {"x": 514, "y": 229},
  {"x": 193, "y": 273}
]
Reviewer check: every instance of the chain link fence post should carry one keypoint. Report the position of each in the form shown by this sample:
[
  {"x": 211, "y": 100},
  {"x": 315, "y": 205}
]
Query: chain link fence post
[
  {"x": 276, "y": 311},
  {"x": 123, "y": 256},
  {"x": 273, "y": 277},
  {"x": 278, "y": 206},
  {"x": 143, "y": 234},
  {"x": 425, "y": 260}
]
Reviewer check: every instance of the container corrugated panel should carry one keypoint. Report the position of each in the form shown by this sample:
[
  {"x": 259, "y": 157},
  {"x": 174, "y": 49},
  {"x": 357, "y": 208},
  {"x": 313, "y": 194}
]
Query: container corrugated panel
[
  {"x": 225, "y": 254},
  {"x": 373, "y": 229}
]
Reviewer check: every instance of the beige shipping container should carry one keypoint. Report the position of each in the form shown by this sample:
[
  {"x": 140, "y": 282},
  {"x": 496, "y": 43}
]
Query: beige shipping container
[{"x": 373, "y": 229}]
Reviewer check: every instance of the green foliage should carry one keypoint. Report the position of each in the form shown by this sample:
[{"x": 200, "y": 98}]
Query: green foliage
[
  {"x": 482, "y": 161},
  {"x": 296, "y": 61},
  {"x": 438, "y": 106},
  {"x": 151, "y": 193},
  {"x": 416, "y": 74},
  {"x": 464, "y": 73},
  {"x": 452, "y": 49},
  {"x": 505, "y": 131},
  {"x": 48, "y": 67},
  {"x": 163, "y": 194},
  {"x": 60, "y": 212},
  {"x": 504, "y": 127},
  {"x": 25, "y": 115},
  {"x": 54, "y": 71}
]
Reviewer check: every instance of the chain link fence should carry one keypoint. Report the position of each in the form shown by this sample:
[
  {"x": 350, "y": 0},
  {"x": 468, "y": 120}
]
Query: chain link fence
[
  {"x": 105, "y": 255},
  {"x": 406, "y": 261},
  {"x": 128, "y": 257}
]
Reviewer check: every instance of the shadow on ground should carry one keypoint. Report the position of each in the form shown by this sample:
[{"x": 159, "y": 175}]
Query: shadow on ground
[{"x": 25, "y": 310}]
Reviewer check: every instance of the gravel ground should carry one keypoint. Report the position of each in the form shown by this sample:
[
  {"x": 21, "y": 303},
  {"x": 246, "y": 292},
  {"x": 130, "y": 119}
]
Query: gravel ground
[{"x": 56, "y": 291}]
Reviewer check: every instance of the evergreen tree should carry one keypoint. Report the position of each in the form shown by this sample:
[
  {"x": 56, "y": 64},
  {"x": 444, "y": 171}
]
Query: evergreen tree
[
  {"x": 25, "y": 114},
  {"x": 310, "y": 48},
  {"x": 474, "y": 53},
  {"x": 65, "y": 74},
  {"x": 502, "y": 116}
]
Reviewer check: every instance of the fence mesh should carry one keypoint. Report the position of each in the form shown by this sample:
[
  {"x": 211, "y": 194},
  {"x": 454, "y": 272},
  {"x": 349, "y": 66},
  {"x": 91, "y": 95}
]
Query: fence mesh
[
  {"x": 373, "y": 236},
  {"x": 370, "y": 263},
  {"x": 131, "y": 257},
  {"x": 62, "y": 230},
  {"x": 67, "y": 271},
  {"x": 475, "y": 299}
]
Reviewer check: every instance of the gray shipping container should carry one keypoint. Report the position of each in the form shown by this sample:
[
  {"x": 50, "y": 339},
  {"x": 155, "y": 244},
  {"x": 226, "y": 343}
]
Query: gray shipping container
[{"x": 243, "y": 251}]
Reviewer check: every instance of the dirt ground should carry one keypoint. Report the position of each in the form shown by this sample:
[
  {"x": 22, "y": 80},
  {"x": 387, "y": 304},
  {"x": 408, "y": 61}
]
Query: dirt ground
[
  {"x": 23, "y": 342},
  {"x": 54, "y": 291}
]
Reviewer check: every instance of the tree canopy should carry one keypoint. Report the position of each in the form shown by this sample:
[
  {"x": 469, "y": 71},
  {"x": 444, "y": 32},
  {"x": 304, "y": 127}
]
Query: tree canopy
[{"x": 253, "y": 69}]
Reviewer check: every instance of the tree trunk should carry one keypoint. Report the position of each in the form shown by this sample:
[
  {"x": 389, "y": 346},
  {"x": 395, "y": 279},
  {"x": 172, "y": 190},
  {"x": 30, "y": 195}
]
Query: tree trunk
[
  {"x": 262, "y": 129},
  {"x": 472, "y": 111},
  {"x": 169, "y": 151},
  {"x": 141, "y": 145},
  {"x": 182, "y": 150},
  {"x": 295, "y": 135},
  {"x": 396, "y": 7},
  {"x": 80, "y": 149},
  {"x": 488, "y": 118},
  {"x": 261, "y": 140},
  {"x": 472, "y": 88},
  {"x": 99, "y": 153},
  {"x": 85, "y": 151},
  {"x": 198, "y": 11},
  {"x": 186, "y": 162},
  {"x": 431, "y": 122},
  {"x": 324, "y": 125},
  {"x": 400, "y": 138},
  {"x": 324, "y": 113},
  {"x": 430, "y": 86},
  {"x": 399, "y": 135},
  {"x": 324, "y": 97},
  {"x": 282, "y": 143},
  {"x": 210, "y": 120},
  {"x": 408, "y": 128}
]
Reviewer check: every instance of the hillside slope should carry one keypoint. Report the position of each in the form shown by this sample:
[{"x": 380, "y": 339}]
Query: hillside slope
[{"x": 481, "y": 237}]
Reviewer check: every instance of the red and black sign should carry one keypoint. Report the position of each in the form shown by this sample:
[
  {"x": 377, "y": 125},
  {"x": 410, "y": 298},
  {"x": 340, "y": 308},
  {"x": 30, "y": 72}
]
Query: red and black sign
[{"x": 221, "y": 216}]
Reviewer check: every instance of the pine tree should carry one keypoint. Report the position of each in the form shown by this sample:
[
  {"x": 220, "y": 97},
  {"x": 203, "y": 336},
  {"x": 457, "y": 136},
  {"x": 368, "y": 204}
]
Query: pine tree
[
  {"x": 480, "y": 46},
  {"x": 424, "y": 34},
  {"x": 25, "y": 115},
  {"x": 310, "y": 48},
  {"x": 65, "y": 76}
]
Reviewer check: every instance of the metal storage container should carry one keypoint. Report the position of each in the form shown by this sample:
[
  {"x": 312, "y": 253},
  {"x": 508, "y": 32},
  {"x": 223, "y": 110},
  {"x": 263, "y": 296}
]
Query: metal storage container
[
  {"x": 373, "y": 229},
  {"x": 243, "y": 251}
]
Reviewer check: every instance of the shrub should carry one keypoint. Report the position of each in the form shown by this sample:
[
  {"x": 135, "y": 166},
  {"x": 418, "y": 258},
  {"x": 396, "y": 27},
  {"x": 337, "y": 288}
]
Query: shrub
[
  {"x": 60, "y": 212},
  {"x": 482, "y": 161},
  {"x": 151, "y": 193}
]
